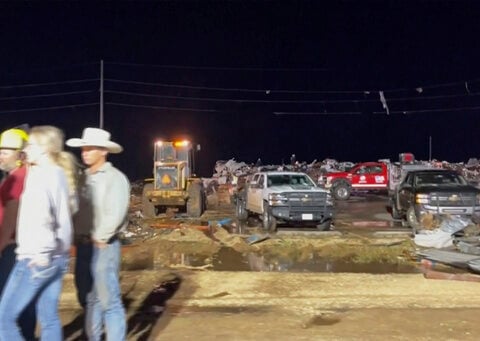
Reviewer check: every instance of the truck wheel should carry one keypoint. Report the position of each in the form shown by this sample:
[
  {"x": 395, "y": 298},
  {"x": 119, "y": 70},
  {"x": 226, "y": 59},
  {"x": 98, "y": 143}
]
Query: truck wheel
[
  {"x": 325, "y": 226},
  {"x": 269, "y": 222},
  {"x": 241, "y": 209},
  {"x": 341, "y": 191},
  {"x": 395, "y": 212},
  {"x": 148, "y": 208},
  {"x": 412, "y": 220},
  {"x": 195, "y": 202}
]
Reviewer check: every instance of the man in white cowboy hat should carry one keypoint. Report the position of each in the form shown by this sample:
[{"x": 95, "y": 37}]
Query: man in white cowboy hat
[{"x": 108, "y": 191}]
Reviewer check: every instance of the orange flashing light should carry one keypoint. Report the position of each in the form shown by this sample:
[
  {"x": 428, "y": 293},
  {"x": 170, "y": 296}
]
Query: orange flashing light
[{"x": 181, "y": 143}]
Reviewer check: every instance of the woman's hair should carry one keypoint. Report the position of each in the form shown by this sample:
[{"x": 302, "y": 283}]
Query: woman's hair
[{"x": 52, "y": 139}]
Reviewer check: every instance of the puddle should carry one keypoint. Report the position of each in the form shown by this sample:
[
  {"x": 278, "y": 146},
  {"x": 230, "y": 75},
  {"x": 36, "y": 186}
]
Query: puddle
[{"x": 228, "y": 259}]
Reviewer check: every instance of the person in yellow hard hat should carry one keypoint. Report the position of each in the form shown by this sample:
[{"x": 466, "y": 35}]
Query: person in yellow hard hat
[{"x": 12, "y": 142}]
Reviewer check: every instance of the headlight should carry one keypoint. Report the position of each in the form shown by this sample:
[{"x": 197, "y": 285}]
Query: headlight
[
  {"x": 275, "y": 199},
  {"x": 329, "y": 179},
  {"x": 422, "y": 199}
]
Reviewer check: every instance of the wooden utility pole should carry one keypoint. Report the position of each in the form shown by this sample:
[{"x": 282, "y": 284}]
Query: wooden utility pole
[
  {"x": 101, "y": 94},
  {"x": 430, "y": 148}
]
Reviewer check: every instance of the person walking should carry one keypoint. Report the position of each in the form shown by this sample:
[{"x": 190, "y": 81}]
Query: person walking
[
  {"x": 110, "y": 198},
  {"x": 44, "y": 234},
  {"x": 12, "y": 162}
]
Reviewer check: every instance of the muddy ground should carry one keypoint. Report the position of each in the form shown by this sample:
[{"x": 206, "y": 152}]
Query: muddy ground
[{"x": 207, "y": 278}]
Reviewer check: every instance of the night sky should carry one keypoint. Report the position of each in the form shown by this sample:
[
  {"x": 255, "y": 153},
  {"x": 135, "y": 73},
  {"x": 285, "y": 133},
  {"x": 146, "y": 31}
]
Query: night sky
[{"x": 249, "y": 80}]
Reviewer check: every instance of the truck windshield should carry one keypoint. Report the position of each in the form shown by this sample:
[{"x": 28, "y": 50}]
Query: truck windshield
[
  {"x": 429, "y": 179},
  {"x": 288, "y": 179}
]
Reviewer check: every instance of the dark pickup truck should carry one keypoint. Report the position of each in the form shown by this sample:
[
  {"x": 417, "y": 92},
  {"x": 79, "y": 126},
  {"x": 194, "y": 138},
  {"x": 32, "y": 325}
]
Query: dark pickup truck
[{"x": 436, "y": 191}]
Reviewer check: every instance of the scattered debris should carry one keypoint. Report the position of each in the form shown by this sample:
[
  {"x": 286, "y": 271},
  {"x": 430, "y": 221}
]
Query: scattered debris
[
  {"x": 449, "y": 257},
  {"x": 255, "y": 238},
  {"x": 431, "y": 274}
]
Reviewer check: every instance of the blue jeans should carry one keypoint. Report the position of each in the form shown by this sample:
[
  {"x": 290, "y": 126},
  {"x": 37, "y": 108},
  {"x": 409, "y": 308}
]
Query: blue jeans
[
  {"x": 26, "y": 283},
  {"x": 28, "y": 318},
  {"x": 104, "y": 302}
]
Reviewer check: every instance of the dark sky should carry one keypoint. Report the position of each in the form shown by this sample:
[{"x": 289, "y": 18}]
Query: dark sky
[{"x": 217, "y": 72}]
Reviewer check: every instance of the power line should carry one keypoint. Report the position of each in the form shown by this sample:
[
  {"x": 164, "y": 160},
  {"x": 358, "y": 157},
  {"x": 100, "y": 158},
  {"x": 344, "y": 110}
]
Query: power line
[
  {"x": 280, "y": 113},
  {"x": 279, "y": 91},
  {"x": 230, "y": 89},
  {"x": 159, "y": 107},
  {"x": 212, "y": 99},
  {"x": 59, "y": 67},
  {"x": 48, "y": 83},
  {"x": 406, "y": 112},
  {"x": 189, "y": 67},
  {"x": 49, "y": 108},
  {"x": 325, "y": 101},
  {"x": 217, "y": 68},
  {"x": 47, "y": 95}
]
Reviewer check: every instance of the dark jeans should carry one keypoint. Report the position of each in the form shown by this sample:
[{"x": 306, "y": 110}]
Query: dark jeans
[
  {"x": 28, "y": 318},
  {"x": 83, "y": 270}
]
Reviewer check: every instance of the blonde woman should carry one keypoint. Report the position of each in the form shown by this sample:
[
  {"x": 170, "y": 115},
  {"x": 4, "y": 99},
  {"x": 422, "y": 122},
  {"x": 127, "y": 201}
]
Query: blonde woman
[{"x": 44, "y": 234}]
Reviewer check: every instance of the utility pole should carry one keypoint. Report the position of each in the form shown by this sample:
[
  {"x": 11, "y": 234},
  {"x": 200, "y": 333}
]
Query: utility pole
[
  {"x": 430, "y": 148},
  {"x": 101, "y": 94}
]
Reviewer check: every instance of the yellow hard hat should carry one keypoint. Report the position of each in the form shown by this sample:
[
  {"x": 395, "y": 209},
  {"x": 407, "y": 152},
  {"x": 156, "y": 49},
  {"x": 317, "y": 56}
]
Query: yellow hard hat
[{"x": 13, "y": 138}]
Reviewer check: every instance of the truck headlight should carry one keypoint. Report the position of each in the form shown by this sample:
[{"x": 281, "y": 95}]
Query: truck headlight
[
  {"x": 276, "y": 199},
  {"x": 422, "y": 199}
]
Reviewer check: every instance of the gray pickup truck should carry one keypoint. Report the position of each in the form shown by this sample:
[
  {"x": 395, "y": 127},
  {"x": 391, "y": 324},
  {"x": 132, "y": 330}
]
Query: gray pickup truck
[{"x": 285, "y": 197}]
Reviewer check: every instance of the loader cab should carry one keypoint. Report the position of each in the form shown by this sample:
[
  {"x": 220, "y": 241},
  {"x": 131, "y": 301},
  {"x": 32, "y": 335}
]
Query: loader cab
[{"x": 172, "y": 164}]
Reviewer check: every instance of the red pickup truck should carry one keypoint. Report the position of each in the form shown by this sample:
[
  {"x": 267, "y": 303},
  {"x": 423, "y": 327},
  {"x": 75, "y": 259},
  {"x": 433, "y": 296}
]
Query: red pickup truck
[
  {"x": 371, "y": 176},
  {"x": 363, "y": 176}
]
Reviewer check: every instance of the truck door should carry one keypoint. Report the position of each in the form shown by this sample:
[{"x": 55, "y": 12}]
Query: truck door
[
  {"x": 254, "y": 193},
  {"x": 405, "y": 192},
  {"x": 369, "y": 177},
  {"x": 377, "y": 176}
]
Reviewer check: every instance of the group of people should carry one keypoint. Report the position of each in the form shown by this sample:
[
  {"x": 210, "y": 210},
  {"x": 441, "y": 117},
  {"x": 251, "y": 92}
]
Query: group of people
[{"x": 48, "y": 203}]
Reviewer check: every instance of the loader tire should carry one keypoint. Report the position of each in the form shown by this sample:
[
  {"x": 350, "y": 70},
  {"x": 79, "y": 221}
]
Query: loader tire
[
  {"x": 195, "y": 201},
  {"x": 148, "y": 208}
]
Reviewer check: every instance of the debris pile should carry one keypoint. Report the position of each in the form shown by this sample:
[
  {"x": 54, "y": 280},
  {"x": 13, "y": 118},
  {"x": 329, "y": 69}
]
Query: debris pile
[{"x": 229, "y": 172}]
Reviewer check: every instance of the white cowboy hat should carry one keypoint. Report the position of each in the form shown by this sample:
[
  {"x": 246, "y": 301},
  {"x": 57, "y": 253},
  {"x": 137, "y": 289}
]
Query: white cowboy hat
[{"x": 95, "y": 137}]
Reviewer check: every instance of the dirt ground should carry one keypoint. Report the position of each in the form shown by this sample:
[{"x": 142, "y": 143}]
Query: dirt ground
[
  {"x": 203, "y": 279},
  {"x": 206, "y": 305}
]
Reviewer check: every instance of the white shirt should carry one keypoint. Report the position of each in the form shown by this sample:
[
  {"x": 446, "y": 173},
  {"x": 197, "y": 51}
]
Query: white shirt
[{"x": 44, "y": 226}]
